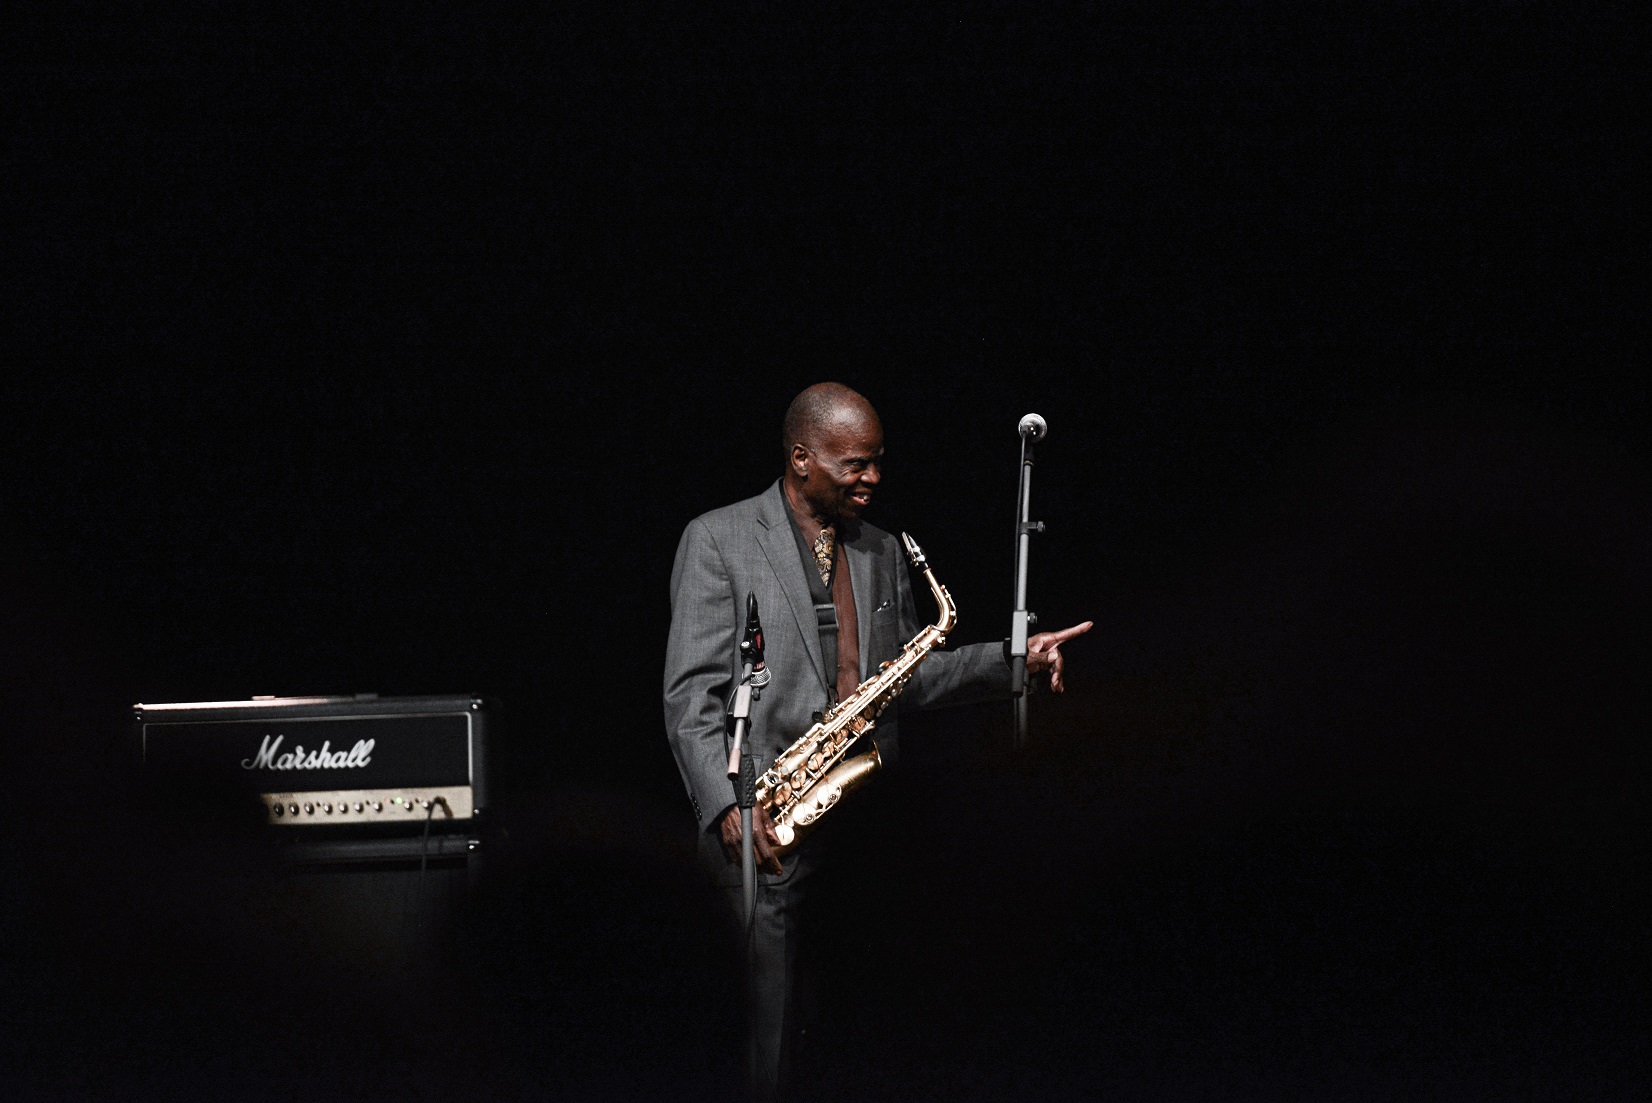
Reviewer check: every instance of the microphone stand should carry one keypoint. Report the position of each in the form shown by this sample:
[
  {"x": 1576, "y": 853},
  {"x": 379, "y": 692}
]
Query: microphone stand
[
  {"x": 1032, "y": 428},
  {"x": 742, "y": 772}
]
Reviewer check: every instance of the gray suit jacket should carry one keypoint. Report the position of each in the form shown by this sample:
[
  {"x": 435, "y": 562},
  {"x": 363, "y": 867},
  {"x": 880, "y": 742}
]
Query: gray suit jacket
[{"x": 746, "y": 548}]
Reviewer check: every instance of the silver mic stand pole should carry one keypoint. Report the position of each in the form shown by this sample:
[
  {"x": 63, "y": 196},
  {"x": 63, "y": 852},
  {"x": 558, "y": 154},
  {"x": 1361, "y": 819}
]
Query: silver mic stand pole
[
  {"x": 743, "y": 773},
  {"x": 1032, "y": 429}
]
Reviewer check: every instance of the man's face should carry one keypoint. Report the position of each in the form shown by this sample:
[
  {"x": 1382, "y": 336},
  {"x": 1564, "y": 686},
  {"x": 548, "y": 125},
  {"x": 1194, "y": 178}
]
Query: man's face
[{"x": 843, "y": 469}]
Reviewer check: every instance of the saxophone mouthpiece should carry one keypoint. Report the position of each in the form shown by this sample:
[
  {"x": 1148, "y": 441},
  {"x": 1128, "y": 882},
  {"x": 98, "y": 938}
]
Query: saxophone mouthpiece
[{"x": 914, "y": 553}]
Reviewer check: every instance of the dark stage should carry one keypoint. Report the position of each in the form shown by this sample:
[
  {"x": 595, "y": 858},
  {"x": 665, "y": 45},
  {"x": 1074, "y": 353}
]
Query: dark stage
[{"x": 391, "y": 351}]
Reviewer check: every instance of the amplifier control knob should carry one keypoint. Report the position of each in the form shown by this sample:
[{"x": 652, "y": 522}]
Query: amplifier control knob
[
  {"x": 279, "y": 809},
  {"x": 328, "y": 808},
  {"x": 309, "y": 809},
  {"x": 378, "y": 806},
  {"x": 293, "y": 808},
  {"x": 358, "y": 806}
]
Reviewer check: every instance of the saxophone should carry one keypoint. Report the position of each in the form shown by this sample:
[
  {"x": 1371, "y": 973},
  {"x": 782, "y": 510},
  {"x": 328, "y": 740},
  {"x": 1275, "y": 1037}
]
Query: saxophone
[{"x": 812, "y": 775}]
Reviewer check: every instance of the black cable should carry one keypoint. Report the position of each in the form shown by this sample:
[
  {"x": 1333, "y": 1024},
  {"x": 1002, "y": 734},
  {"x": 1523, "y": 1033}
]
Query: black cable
[
  {"x": 424, "y": 848},
  {"x": 413, "y": 927}
]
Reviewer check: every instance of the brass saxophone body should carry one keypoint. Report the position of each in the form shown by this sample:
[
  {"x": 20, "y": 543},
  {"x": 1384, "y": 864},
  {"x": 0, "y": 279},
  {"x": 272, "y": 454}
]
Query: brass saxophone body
[{"x": 812, "y": 775}]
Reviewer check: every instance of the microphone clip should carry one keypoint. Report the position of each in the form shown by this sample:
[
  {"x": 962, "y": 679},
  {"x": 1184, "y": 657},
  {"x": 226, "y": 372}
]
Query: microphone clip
[{"x": 751, "y": 647}]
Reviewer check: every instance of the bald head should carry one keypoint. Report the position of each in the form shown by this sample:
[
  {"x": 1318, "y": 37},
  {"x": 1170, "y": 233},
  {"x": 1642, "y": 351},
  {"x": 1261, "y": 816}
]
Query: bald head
[
  {"x": 820, "y": 410},
  {"x": 834, "y": 449}
]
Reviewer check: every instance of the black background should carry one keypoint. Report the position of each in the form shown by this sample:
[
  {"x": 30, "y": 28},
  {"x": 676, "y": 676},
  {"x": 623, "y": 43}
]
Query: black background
[{"x": 390, "y": 350}]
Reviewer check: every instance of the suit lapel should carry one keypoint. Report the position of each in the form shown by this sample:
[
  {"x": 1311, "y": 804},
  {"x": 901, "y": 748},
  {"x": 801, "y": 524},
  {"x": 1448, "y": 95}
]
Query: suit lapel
[{"x": 780, "y": 548}]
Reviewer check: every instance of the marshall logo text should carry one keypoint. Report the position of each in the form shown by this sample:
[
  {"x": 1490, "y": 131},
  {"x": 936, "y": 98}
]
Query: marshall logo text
[{"x": 268, "y": 757}]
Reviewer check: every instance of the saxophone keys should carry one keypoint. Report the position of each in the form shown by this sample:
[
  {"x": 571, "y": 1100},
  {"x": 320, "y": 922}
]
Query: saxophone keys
[
  {"x": 814, "y": 763},
  {"x": 783, "y": 794},
  {"x": 798, "y": 779},
  {"x": 819, "y": 806}
]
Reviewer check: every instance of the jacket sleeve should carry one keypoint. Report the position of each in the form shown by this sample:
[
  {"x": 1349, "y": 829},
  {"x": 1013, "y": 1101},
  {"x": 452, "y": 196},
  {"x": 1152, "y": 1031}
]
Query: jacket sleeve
[{"x": 699, "y": 658}]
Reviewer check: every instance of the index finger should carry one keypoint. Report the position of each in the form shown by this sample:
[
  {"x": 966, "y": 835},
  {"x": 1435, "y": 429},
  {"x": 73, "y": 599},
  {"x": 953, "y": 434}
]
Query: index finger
[
  {"x": 1066, "y": 634},
  {"x": 764, "y": 843}
]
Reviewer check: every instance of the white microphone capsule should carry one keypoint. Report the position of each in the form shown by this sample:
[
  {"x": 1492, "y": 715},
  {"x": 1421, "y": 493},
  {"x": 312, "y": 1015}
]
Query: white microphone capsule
[{"x": 1032, "y": 426}]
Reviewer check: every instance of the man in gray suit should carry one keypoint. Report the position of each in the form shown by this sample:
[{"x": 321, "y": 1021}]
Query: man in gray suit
[{"x": 806, "y": 523}]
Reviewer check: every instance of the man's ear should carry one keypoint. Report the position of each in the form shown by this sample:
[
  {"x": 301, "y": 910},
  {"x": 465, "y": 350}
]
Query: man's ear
[{"x": 800, "y": 460}]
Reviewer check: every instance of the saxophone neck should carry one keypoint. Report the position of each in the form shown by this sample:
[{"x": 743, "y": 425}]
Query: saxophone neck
[{"x": 948, "y": 619}]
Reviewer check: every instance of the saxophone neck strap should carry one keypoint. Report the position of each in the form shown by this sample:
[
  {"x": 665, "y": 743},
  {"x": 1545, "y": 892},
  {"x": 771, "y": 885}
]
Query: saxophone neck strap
[
  {"x": 820, "y": 595},
  {"x": 826, "y": 621}
]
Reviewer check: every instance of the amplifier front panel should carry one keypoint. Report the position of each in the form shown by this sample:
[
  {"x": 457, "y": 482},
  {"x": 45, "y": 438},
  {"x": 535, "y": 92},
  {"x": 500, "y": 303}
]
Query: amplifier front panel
[{"x": 413, "y": 806}]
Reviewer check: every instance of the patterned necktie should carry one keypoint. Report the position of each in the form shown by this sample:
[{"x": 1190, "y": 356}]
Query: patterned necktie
[{"x": 824, "y": 545}]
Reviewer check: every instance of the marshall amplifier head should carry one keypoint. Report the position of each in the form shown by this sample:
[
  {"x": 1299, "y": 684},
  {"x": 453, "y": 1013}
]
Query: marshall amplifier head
[{"x": 340, "y": 761}]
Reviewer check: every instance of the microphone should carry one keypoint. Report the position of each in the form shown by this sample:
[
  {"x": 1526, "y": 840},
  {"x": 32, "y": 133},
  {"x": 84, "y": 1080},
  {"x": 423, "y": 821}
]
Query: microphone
[
  {"x": 1032, "y": 427},
  {"x": 751, "y": 647}
]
